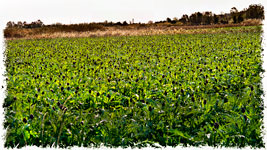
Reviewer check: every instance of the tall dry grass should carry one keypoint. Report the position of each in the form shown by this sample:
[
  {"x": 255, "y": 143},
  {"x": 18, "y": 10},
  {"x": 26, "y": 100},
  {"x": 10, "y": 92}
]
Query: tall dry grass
[{"x": 131, "y": 30}]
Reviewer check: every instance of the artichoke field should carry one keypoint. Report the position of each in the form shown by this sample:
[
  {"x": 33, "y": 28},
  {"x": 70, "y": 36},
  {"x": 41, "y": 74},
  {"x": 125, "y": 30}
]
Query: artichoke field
[{"x": 198, "y": 89}]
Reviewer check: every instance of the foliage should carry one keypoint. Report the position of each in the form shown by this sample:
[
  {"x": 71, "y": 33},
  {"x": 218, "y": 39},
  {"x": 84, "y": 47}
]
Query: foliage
[
  {"x": 173, "y": 90},
  {"x": 255, "y": 11}
]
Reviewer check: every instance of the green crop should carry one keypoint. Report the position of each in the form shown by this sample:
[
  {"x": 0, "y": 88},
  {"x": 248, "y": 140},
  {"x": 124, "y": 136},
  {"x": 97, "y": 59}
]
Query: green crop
[{"x": 202, "y": 89}]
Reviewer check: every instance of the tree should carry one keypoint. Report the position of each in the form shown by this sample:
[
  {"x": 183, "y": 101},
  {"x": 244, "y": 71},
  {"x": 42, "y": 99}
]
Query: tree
[
  {"x": 233, "y": 10},
  {"x": 223, "y": 19},
  {"x": 199, "y": 17},
  {"x": 215, "y": 19},
  {"x": 150, "y": 22},
  {"x": 196, "y": 18},
  {"x": 234, "y": 14},
  {"x": 20, "y": 24},
  {"x": 240, "y": 18},
  {"x": 255, "y": 12},
  {"x": 184, "y": 19},
  {"x": 40, "y": 23},
  {"x": 207, "y": 17},
  {"x": 124, "y": 23},
  {"x": 175, "y": 19},
  {"x": 10, "y": 24},
  {"x": 169, "y": 20},
  {"x": 118, "y": 23}
]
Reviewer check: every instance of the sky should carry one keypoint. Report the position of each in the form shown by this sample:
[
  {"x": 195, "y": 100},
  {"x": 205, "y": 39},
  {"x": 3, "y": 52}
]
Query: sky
[{"x": 80, "y": 11}]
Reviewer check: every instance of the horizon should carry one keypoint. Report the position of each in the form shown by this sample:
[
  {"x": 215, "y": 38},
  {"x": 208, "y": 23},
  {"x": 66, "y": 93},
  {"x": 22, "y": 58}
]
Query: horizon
[
  {"x": 115, "y": 11},
  {"x": 132, "y": 20}
]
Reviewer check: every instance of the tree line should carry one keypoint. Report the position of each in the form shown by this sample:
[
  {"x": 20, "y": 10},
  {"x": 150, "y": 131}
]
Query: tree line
[
  {"x": 254, "y": 11},
  {"x": 19, "y": 24}
]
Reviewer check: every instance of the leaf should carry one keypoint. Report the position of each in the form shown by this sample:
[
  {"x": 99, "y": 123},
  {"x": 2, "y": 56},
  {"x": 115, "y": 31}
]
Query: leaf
[
  {"x": 26, "y": 134},
  {"x": 179, "y": 133}
]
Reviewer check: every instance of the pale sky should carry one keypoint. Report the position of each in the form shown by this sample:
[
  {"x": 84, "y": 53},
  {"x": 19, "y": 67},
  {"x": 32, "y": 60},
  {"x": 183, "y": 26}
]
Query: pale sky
[{"x": 79, "y": 11}]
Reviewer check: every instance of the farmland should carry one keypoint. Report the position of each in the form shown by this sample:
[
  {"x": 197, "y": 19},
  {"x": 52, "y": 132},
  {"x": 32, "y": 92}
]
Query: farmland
[{"x": 184, "y": 89}]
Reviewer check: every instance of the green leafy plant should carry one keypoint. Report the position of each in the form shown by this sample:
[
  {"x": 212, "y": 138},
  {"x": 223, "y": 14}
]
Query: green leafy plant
[{"x": 202, "y": 89}]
